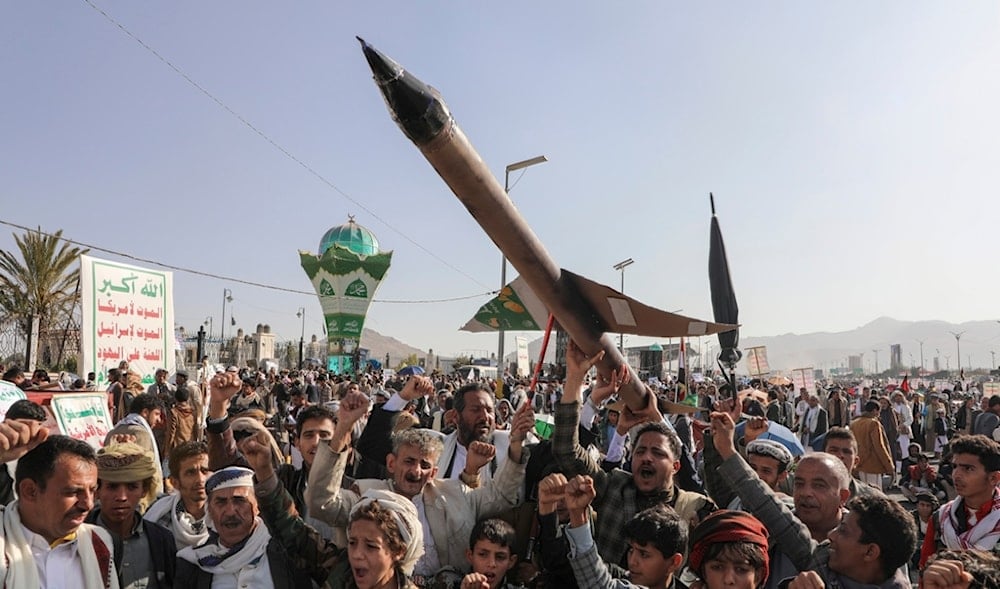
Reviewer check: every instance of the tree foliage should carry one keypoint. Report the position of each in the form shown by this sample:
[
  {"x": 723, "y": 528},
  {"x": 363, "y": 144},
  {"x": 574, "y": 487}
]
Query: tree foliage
[{"x": 41, "y": 281}]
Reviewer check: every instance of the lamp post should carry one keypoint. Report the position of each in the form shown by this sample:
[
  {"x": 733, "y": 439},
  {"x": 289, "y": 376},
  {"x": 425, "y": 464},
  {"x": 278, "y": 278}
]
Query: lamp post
[
  {"x": 302, "y": 338},
  {"x": 620, "y": 266},
  {"x": 958, "y": 346},
  {"x": 227, "y": 297},
  {"x": 541, "y": 159},
  {"x": 876, "y": 361},
  {"x": 921, "y": 342},
  {"x": 208, "y": 322}
]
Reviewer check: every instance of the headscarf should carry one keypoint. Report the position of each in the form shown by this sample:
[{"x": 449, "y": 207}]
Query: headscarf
[
  {"x": 253, "y": 427},
  {"x": 727, "y": 526},
  {"x": 407, "y": 520},
  {"x": 128, "y": 463}
]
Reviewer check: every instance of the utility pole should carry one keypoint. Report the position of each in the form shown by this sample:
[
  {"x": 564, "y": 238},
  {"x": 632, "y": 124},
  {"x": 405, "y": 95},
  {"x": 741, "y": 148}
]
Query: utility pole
[{"x": 876, "y": 361}]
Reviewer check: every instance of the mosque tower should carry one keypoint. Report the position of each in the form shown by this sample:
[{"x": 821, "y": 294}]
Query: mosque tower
[{"x": 345, "y": 273}]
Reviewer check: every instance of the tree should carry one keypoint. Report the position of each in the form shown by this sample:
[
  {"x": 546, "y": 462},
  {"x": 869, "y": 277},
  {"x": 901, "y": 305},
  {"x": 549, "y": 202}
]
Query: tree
[
  {"x": 461, "y": 361},
  {"x": 41, "y": 283}
]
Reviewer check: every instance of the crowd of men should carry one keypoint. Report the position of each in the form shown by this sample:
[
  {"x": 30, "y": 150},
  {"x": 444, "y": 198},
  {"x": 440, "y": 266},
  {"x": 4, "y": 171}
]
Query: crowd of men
[{"x": 246, "y": 479}]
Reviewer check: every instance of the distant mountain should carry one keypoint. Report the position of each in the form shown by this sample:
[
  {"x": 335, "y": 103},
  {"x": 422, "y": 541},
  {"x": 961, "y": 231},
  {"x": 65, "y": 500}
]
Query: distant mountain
[
  {"x": 379, "y": 345},
  {"x": 819, "y": 350},
  {"x": 828, "y": 350}
]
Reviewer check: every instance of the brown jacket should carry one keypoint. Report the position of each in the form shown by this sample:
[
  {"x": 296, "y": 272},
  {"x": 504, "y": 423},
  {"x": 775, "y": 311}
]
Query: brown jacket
[
  {"x": 180, "y": 427},
  {"x": 873, "y": 452}
]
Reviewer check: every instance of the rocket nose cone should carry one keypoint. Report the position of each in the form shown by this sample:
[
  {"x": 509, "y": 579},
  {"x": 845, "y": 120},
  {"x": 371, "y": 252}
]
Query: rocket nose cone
[{"x": 384, "y": 68}]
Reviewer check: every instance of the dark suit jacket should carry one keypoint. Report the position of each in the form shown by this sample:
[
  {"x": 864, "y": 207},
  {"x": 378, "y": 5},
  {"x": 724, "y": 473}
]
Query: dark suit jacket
[{"x": 190, "y": 576}]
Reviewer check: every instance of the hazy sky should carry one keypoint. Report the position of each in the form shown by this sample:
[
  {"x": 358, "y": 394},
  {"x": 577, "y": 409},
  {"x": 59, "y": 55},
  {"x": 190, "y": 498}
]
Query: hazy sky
[{"x": 852, "y": 148}]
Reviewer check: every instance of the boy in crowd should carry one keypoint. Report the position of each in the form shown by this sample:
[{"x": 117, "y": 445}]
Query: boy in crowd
[
  {"x": 657, "y": 538},
  {"x": 490, "y": 555}
]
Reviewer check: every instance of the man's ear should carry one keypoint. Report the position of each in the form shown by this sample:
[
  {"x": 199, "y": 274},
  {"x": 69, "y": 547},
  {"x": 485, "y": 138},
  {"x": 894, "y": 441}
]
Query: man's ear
[
  {"x": 845, "y": 494},
  {"x": 873, "y": 552},
  {"x": 28, "y": 489},
  {"x": 390, "y": 462},
  {"x": 674, "y": 562},
  {"x": 677, "y": 466},
  {"x": 468, "y": 555}
]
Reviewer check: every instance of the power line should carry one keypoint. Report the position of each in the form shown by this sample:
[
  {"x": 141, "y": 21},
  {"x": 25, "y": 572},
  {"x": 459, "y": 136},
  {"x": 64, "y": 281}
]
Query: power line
[
  {"x": 226, "y": 278},
  {"x": 274, "y": 143}
]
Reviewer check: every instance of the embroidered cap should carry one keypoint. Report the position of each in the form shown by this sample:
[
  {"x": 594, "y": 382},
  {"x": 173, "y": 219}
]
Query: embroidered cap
[
  {"x": 233, "y": 476},
  {"x": 771, "y": 449}
]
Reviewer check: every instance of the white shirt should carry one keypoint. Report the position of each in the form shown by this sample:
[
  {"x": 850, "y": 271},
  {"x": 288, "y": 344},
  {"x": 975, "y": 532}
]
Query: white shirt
[
  {"x": 429, "y": 563},
  {"x": 61, "y": 564}
]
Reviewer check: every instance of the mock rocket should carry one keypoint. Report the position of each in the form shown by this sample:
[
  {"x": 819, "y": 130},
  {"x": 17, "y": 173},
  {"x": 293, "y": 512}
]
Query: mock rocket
[{"x": 584, "y": 309}]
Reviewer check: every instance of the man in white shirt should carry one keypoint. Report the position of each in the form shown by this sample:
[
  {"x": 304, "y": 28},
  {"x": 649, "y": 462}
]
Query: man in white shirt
[{"x": 44, "y": 539}]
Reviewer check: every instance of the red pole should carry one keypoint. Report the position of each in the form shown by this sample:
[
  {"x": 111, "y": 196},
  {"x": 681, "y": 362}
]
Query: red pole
[{"x": 541, "y": 357}]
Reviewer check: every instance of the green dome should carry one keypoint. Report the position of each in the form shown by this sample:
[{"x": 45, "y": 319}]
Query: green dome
[{"x": 354, "y": 237}]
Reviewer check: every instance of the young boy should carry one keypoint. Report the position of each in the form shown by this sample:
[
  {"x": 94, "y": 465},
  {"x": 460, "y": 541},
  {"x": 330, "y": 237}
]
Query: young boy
[
  {"x": 490, "y": 555},
  {"x": 657, "y": 539}
]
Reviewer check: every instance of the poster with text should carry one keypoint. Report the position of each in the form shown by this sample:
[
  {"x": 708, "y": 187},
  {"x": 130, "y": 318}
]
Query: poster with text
[
  {"x": 523, "y": 361},
  {"x": 757, "y": 361},
  {"x": 83, "y": 416},
  {"x": 128, "y": 314},
  {"x": 804, "y": 378},
  {"x": 9, "y": 394}
]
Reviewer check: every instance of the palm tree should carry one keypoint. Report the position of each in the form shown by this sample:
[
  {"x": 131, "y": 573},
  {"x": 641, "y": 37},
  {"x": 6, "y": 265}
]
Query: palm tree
[{"x": 40, "y": 283}]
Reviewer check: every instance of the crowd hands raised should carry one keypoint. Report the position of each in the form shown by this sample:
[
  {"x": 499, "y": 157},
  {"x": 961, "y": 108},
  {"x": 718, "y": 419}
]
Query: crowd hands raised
[{"x": 440, "y": 484}]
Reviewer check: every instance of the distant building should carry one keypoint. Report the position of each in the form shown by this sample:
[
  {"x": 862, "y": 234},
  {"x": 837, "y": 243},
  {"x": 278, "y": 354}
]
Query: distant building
[
  {"x": 895, "y": 357},
  {"x": 854, "y": 364}
]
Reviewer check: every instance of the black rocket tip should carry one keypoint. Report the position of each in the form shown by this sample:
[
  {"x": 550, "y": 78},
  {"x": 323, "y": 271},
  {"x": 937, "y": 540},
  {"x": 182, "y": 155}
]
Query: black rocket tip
[
  {"x": 384, "y": 68},
  {"x": 711, "y": 199},
  {"x": 417, "y": 108}
]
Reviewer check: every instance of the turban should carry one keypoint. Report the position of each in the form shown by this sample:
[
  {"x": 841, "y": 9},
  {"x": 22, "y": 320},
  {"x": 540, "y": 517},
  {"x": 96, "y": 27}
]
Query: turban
[
  {"x": 127, "y": 463},
  {"x": 725, "y": 526},
  {"x": 232, "y": 476},
  {"x": 407, "y": 520}
]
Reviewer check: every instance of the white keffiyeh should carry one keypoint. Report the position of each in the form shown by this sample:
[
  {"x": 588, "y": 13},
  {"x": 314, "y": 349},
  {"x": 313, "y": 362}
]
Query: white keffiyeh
[
  {"x": 169, "y": 512},
  {"x": 216, "y": 559},
  {"x": 982, "y": 534},
  {"x": 18, "y": 570}
]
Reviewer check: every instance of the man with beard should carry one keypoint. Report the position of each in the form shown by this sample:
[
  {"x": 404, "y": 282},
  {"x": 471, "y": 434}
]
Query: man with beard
[
  {"x": 183, "y": 511},
  {"x": 145, "y": 551},
  {"x": 866, "y": 547},
  {"x": 655, "y": 459},
  {"x": 448, "y": 508},
  {"x": 473, "y": 405},
  {"x": 239, "y": 552}
]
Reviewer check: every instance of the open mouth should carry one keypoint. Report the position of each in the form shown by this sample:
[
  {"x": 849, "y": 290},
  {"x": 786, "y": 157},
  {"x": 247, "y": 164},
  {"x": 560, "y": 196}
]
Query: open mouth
[{"x": 646, "y": 472}]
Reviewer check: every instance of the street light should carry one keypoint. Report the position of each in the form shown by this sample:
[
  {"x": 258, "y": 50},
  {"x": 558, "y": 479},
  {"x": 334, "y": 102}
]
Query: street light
[
  {"x": 302, "y": 339},
  {"x": 921, "y": 342},
  {"x": 208, "y": 322},
  {"x": 876, "y": 362},
  {"x": 620, "y": 266},
  {"x": 541, "y": 159},
  {"x": 227, "y": 296},
  {"x": 958, "y": 345}
]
